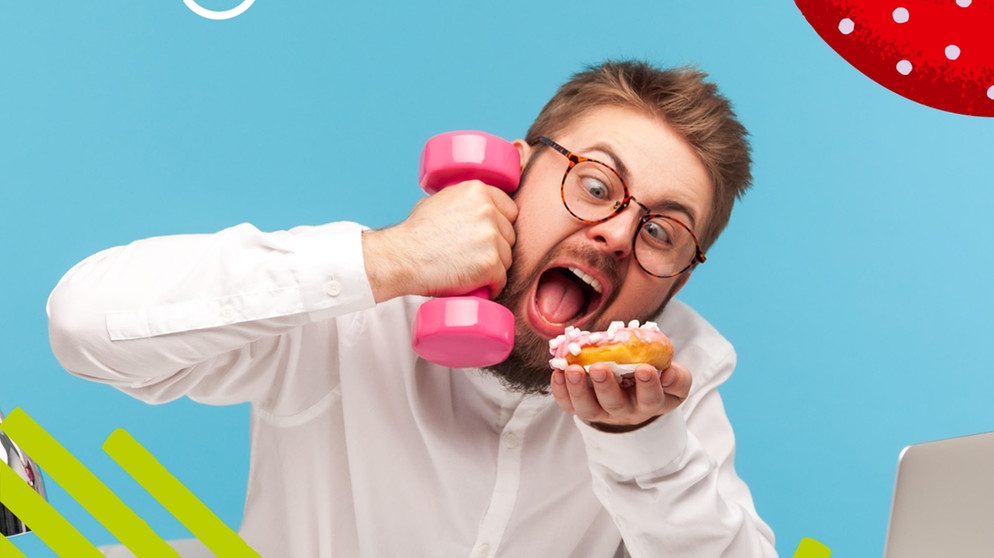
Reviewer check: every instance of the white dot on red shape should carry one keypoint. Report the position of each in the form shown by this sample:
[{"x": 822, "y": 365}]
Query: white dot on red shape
[
  {"x": 901, "y": 15},
  {"x": 990, "y": 92},
  {"x": 963, "y": 3},
  {"x": 904, "y": 67},
  {"x": 846, "y": 26},
  {"x": 952, "y": 52}
]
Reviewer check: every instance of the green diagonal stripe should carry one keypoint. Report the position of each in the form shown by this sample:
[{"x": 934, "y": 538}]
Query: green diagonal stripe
[
  {"x": 175, "y": 497},
  {"x": 8, "y": 550},
  {"x": 85, "y": 487},
  {"x": 810, "y": 548},
  {"x": 45, "y": 522}
]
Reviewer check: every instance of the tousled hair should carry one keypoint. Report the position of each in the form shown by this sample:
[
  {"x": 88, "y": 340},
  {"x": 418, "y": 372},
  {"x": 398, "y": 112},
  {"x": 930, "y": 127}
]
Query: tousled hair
[{"x": 684, "y": 99}]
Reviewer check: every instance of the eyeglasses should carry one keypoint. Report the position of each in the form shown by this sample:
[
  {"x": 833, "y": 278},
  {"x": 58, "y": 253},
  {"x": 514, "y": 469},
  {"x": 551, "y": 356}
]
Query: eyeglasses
[{"x": 594, "y": 192}]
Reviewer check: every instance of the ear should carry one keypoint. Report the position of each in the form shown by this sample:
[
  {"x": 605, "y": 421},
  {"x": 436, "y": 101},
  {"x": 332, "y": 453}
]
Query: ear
[{"x": 524, "y": 150}]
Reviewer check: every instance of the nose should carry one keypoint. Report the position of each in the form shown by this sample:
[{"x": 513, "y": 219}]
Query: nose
[{"x": 615, "y": 235}]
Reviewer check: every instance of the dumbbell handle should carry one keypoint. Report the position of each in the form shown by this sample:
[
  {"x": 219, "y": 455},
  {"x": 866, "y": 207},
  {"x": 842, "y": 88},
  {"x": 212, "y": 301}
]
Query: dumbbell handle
[{"x": 466, "y": 331}]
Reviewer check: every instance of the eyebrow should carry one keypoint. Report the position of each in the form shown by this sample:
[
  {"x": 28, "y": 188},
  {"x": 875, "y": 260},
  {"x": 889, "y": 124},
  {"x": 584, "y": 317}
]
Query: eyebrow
[
  {"x": 664, "y": 206},
  {"x": 616, "y": 161}
]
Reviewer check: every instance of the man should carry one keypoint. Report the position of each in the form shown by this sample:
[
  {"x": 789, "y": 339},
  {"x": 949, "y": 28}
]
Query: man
[{"x": 359, "y": 448}]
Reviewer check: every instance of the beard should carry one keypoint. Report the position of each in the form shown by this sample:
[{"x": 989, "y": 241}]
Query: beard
[{"x": 526, "y": 370}]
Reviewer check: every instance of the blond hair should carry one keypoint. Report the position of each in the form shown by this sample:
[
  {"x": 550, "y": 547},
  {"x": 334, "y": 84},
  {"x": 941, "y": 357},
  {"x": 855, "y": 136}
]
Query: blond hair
[{"x": 684, "y": 99}]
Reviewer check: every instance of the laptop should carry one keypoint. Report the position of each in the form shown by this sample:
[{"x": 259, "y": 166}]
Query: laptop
[{"x": 943, "y": 505}]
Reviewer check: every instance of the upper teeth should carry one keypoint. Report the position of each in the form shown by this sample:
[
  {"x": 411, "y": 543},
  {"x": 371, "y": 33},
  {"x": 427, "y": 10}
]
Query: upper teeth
[{"x": 594, "y": 283}]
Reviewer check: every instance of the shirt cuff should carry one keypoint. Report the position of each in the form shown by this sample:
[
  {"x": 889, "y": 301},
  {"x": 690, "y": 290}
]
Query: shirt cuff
[
  {"x": 331, "y": 270},
  {"x": 649, "y": 449}
]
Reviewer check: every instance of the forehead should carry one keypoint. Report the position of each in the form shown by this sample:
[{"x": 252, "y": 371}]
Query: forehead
[{"x": 659, "y": 166}]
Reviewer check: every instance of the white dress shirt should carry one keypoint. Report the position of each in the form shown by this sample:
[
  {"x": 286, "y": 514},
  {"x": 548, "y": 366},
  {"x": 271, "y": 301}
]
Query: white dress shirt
[{"x": 359, "y": 448}]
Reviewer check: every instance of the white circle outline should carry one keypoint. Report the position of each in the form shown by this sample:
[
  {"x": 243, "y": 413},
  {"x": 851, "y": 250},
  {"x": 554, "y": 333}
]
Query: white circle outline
[{"x": 212, "y": 14}]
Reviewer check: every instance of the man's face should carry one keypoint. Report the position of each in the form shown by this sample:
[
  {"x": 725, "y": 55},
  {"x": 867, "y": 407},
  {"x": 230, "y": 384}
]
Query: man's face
[{"x": 567, "y": 272}]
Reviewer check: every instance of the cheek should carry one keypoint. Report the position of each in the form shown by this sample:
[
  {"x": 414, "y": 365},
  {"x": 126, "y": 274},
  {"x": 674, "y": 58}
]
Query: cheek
[
  {"x": 640, "y": 294},
  {"x": 539, "y": 227}
]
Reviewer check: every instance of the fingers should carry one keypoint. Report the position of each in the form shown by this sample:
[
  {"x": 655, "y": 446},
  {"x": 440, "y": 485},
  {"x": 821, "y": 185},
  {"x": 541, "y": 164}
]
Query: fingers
[
  {"x": 598, "y": 398},
  {"x": 453, "y": 242},
  {"x": 478, "y": 248},
  {"x": 560, "y": 392},
  {"x": 676, "y": 381},
  {"x": 503, "y": 202},
  {"x": 577, "y": 393},
  {"x": 503, "y": 241}
]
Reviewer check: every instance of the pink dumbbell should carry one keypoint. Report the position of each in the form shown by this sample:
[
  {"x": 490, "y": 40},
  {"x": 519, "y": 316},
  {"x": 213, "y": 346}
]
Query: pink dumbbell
[{"x": 466, "y": 331}]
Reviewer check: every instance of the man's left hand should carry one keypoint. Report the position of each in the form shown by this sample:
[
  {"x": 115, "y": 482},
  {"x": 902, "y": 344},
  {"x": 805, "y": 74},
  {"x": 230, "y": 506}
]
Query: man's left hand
[{"x": 603, "y": 403}]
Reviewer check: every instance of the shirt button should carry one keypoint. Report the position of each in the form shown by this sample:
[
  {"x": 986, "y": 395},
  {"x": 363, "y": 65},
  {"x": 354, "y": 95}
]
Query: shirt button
[
  {"x": 483, "y": 551},
  {"x": 228, "y": 314},
  {"x": 333, "y": 288},
  {"x": 511, "y": 441}
]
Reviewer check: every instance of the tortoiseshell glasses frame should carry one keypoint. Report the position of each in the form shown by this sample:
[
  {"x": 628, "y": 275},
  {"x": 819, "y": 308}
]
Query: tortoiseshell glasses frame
[{"x": 649, "y": 225}]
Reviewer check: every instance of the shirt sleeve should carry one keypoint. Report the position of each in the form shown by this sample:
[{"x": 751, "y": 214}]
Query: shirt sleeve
[
  {"x": 671, "y": 486},
  {"x": 215, "y": 317}
]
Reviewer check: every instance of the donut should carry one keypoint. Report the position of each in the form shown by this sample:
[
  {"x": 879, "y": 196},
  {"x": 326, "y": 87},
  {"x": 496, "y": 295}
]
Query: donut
[{"x": 623, "y": 346}]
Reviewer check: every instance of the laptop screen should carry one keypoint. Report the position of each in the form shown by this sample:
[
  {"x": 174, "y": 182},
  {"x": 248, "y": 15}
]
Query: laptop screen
[{"x": 943, "y": 503}]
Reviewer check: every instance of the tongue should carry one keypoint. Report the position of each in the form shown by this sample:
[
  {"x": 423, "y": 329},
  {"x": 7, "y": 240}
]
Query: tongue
[{"x": 559, "y": 298}]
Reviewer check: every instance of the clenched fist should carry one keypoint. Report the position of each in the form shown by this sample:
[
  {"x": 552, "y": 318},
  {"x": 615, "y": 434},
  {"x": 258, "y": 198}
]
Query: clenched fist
[{"x": 452, "y": 242}]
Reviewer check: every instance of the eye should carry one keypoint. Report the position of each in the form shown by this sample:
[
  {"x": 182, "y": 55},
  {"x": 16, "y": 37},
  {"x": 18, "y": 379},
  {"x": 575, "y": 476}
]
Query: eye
[
  {"x": 595, "y": 188},
  {"x": 596, "y": 183},
  {"x": 659, "y": 233}
]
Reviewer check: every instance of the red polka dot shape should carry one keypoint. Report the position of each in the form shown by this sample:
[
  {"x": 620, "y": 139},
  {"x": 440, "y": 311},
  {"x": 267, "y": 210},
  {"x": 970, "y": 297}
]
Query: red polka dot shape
[{"x": 939, "y": 53}]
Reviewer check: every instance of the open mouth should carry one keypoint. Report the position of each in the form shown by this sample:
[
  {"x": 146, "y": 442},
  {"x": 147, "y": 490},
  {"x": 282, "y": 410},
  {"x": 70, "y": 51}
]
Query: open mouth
[{"x": 566, "y": 296}]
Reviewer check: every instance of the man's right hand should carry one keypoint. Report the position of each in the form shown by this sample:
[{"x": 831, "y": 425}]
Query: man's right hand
[{"x": 452, "y": 242}]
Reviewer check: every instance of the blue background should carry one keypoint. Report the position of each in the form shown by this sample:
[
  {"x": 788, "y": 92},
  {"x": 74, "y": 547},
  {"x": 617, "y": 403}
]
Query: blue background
[{"x": 854, "y": 279}]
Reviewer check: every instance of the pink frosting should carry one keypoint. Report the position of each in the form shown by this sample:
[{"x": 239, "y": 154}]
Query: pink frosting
[{"x": 573, "y": 339}]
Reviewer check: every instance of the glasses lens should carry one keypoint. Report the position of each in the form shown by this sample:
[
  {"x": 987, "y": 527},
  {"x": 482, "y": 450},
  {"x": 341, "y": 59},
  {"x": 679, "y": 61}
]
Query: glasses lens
[
  {"x": 593, "y": 191},
  {"x": 664, "y": 246}
]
